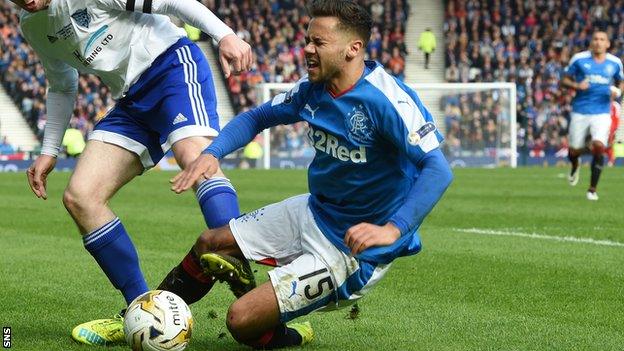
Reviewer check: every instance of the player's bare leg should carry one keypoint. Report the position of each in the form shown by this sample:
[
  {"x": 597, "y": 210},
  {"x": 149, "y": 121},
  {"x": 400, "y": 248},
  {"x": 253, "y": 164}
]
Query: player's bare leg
[
  {"x": 189, "y": 279},
  {"x": 573, "y": 156},
  {"x": 193, "y": 278},
  {"x": 187, "y": 150},
  {"x": 598, "y": 150},
  {"x": 101, "y": 171},
  {"x": 254, "y": 320}
]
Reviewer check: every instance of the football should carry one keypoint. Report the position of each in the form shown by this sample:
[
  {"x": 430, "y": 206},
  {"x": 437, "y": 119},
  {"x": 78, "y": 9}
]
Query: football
[{"x": 158, "y": 320}]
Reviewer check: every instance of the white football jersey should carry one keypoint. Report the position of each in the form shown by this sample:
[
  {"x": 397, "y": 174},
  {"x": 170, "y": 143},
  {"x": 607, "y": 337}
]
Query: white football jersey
[{"x": 116, "y": 40}]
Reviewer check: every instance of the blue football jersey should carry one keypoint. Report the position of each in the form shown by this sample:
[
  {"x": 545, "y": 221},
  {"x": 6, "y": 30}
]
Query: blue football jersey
[
  {"x": 601, "y": 76},
  {"x": 368, "y": 141}
]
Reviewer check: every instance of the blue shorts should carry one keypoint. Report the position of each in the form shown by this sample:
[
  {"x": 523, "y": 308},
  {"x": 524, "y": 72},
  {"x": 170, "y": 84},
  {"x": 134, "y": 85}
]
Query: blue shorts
[{"x": 172, "y": 100}]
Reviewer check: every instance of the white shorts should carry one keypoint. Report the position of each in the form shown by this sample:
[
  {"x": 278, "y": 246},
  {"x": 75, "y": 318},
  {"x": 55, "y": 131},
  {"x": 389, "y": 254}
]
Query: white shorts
[
  {"x": 598, "y": 126},
  {"x": 312, "y": 274}
]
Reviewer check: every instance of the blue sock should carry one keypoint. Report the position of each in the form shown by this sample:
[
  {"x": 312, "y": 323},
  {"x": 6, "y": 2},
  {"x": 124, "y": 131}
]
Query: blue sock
[
  {"x": 113, "y": 250},
  {"x": 218, "y": 201}
]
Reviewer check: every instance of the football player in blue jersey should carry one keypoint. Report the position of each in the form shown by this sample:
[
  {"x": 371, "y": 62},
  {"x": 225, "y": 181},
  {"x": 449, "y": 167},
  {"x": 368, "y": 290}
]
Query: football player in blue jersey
[
  {"x": 592, "y": 74},
  {"x": 377, "y": 172}
]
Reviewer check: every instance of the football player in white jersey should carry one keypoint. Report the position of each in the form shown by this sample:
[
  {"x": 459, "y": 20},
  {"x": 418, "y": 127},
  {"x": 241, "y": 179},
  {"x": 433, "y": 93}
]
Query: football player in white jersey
[
  {"x": 593, "y": 74},
  {"x": 165, "y": 100}
]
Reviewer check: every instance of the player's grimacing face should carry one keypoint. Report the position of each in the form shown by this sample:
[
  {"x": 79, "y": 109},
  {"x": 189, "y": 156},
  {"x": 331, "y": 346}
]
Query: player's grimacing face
[
  {"x": 32, "y": 5},
  {"x": 324, "y": 50},
  {"x": 599, "y": 43}
]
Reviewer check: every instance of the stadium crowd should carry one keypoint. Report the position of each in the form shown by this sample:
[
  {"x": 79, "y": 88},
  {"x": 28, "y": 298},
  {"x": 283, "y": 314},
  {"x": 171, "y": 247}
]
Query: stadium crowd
[
  {"x": 23, "y": 78},
  {"x": 275, "y": 30},
  {"x": 528, "y": 43}
]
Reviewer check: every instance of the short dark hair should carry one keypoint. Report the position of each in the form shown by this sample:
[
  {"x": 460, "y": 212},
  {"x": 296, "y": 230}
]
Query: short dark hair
[{"x": 351, "y": 15}]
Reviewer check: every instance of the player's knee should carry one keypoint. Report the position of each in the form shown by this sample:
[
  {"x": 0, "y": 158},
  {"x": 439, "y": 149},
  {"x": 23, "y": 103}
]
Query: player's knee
[
  {"x": 187, "y": 150},
  {"x": 215, "y": 240},
  {"x": 72, "y": 201},
  {"x": 574, "y": 152},
  {"x": 78, "y": 201},
  {"x": 238, "y": 321},
  {"x": 598, "y": 148}
]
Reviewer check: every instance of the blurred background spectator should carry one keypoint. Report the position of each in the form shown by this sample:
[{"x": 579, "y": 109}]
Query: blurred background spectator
[
  {"x": 528, "y": 43},
  {"x": 5, "y": 147},
  {"x": 23, "y": 77},
  {"x": 275, "y": 30}
]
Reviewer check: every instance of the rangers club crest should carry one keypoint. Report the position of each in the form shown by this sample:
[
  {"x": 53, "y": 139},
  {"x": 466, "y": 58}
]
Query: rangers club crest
[
  {"x": 82, "y": 18},
  {"x": 359, "y": 125}
]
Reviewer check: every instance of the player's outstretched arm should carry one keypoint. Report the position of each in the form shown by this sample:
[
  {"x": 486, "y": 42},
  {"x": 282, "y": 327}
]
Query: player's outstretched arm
[
  {"x": 236, "y": 134},
  {"x": 62, "y": 90},
  {"x": 234, "y": 53},
  {"x": 206, "y": 165},
  {"x": 568, "y": 82},
  {"x": 434, "y": 178}
]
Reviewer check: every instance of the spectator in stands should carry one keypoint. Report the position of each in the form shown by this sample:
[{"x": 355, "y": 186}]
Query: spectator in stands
[
  {"x": 276, "y": 29},
  {"x": 427, "y": 44},
  {"x": 528, "y": 43},
  {"x": 5, "y": 147},
  {"x": 24, "y": 80}
]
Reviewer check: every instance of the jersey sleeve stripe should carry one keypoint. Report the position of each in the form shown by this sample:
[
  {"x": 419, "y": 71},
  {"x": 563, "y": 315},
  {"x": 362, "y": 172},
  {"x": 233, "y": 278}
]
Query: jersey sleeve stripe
[
  {"x": 147, "y": 6},
  {"x": 403, "y": 103},
  {"x": 281, "y": 98},
  {"x": 576, "y": 57},
  {"x": 144, "y": 6}
]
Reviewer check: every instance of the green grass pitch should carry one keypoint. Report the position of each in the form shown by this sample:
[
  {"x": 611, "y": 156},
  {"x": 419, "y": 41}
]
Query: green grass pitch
[{"x": 491, "y": 276}]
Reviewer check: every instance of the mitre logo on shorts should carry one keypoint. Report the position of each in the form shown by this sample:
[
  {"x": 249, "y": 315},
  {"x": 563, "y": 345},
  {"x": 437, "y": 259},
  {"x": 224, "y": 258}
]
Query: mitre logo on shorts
[{"x": 329, "y": 144}]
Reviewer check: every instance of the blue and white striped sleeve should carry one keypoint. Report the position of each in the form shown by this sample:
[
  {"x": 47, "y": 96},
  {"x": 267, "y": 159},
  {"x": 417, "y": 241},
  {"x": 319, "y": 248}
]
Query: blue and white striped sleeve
[{"x": 620, "y": 72}]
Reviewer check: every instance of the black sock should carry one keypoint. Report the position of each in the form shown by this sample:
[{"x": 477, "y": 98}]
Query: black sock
[
  {"x": 596, "y": 169},
  {"x": 188, "y": 280},
  {"x": 281, "y": 336},
  {"x": 575, "y": 162}
]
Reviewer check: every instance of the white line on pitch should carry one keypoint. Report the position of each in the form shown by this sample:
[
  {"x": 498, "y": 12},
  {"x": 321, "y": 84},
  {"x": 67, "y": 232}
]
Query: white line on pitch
[{"x": 570, "y": 239}]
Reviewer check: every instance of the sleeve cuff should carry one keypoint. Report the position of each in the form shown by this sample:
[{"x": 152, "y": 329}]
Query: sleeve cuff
[
  {"x": 50, "y": 151},
  {"x": 400, "y": 223},
  {"x": 221, "y": 33},
  {"x": 213, "y": 152}
]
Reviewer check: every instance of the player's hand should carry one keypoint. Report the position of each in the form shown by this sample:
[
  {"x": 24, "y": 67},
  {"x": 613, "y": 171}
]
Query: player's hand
[
  {"x": 615, "y": 92},
  {"x": 234, "y": 52},
  {"x": 584, "y": 85},
  {"x": 204, "y": 166},
  {"x": 38, "y": 175},
  {"x": 364, "y": 235}
]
